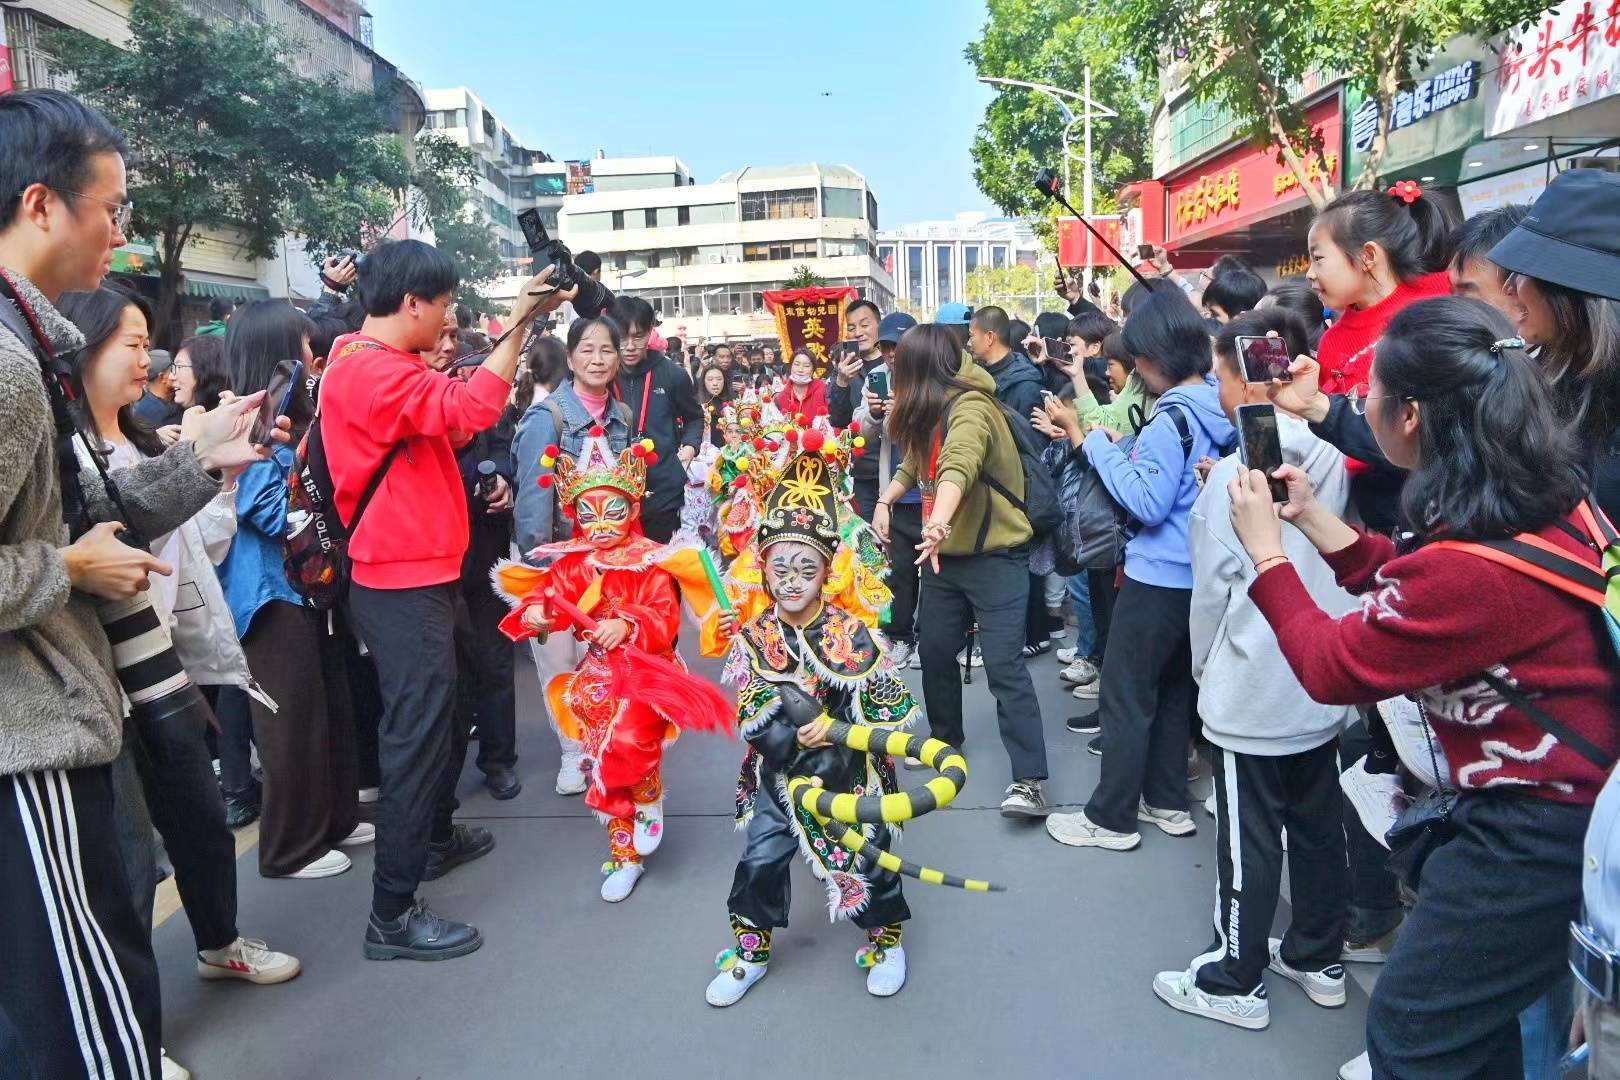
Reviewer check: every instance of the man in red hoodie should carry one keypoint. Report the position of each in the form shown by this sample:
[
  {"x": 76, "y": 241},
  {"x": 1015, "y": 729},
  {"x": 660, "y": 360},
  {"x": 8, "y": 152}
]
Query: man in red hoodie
[{"x": 378, "y": 394}]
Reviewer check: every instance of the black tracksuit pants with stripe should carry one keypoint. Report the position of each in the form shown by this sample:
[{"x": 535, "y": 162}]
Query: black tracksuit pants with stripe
[
  {"x": 78, "y": 982},
  {"x": 1256, "y": 798}
]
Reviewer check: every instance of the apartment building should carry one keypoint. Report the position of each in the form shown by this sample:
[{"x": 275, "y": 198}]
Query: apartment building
[{"x": 931, "y": 260}]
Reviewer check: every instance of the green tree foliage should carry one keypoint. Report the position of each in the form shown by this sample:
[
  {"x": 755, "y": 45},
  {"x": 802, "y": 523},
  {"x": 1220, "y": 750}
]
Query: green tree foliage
[
  {"x": 1052, "y": 41},
  {"x": 1013, "y": 289},
  {"x": 1251, "y": 56},
  {"x": 804, "y": 278},
  {"x": 445, "y": 180}
]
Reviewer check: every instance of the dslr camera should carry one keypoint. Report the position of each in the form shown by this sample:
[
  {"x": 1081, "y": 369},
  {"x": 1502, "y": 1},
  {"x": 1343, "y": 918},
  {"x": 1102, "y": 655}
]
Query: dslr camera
[{"x": 548, "y": 251}]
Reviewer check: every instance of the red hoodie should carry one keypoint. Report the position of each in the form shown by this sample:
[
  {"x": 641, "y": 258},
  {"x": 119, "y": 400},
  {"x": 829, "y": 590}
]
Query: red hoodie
[
  {"x": 813, "y": 405},
  {"x": 414, "y": 532},
  {"x": 1346, "y": 351}
]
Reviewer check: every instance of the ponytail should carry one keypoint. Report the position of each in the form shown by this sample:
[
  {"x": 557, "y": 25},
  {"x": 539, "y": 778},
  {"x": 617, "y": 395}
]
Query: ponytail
[
  {"x": 1494, "y": 457},
  {"x": 1415, "y": 235}
]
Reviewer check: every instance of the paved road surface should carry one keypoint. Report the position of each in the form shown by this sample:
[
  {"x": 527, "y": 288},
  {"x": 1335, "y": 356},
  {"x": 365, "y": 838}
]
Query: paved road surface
[{"x": 1051, "y": 979}]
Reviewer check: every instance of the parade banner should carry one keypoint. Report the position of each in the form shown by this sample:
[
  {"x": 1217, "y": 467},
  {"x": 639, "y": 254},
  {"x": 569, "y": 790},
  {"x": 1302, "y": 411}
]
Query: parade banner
[
  {"x": 5, "y": 58},
  {"x": 810, "y": 319}
]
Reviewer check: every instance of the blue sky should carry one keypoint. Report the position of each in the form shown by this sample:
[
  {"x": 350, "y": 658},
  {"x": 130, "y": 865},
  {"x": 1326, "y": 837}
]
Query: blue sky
[{"x": 720, "y": 83}]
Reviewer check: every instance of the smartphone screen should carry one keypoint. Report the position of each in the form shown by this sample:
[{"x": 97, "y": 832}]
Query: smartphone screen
[
  {"x": 1056, "y": 348},
  {"x": 1144, "y": 251},
  {"x": 1264, "y": 358},
  {"x": 1260, "y": 446},
  {"x": 278, "y": 398}
]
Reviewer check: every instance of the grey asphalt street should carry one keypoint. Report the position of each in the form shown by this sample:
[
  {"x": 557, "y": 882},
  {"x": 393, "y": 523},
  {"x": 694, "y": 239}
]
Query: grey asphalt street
[{"x": 1050, "y": 979}]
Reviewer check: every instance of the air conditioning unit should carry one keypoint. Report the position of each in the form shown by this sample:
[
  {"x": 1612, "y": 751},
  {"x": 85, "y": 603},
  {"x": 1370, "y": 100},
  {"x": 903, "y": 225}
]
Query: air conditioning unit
[
  {"x": 1606, "y": 164},
  {"x": 713, "y": 258}
]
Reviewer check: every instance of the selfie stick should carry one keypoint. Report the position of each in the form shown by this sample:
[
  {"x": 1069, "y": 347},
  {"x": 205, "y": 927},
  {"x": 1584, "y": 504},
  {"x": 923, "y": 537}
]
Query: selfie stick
[{"x": 1052, "y": 187}]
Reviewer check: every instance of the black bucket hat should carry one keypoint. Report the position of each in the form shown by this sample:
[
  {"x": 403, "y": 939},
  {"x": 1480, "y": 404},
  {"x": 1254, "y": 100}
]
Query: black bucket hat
[{"x": 1571, "y": 236}]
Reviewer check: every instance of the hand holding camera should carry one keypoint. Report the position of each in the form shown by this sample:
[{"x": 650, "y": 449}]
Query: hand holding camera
[
  {"x": 339, "y": 272},
  {"x": 101, "y": 564}
]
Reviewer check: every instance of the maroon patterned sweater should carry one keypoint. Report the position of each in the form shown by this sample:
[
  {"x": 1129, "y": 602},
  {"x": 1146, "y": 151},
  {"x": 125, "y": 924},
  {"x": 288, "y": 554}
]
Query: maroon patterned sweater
[{"x": 1430, "y": 622}]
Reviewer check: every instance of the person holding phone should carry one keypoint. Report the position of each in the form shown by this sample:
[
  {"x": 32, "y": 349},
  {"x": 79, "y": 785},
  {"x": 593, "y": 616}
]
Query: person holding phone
[
  {"x": 1274, "y": 751},
  {"x": 846, "y": 392}
]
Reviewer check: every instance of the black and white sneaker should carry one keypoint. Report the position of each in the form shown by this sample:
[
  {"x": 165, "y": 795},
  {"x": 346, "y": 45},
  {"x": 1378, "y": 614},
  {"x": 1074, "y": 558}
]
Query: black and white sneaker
[
  {"x": 1038, "y": 650},
  {"x": 1025, "y": 799},
  {"x": 1095, "y": 746},
  {"x": 1325, "y": 987},
  {"x": 1089, "y": 724}
]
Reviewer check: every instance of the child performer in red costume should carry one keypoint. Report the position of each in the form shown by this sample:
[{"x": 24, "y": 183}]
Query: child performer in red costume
[{"x": 617, "y": 590}]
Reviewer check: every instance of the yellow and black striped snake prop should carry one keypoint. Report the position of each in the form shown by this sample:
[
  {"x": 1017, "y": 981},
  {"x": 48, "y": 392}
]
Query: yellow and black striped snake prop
[{"x": 835, "y": 811}]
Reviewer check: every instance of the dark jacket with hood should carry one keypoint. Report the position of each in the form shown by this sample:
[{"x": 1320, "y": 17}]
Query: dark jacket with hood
[
  {"x": 674, "y": 419},
  {"x": 1018, "y": 382}
]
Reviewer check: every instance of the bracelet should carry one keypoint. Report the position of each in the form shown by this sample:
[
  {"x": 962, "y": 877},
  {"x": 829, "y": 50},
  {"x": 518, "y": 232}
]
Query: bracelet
[
  {"x": 941, "y": 527},
  {"x": 1260, "y": 567},
  {"x": 885, "y": 504}
]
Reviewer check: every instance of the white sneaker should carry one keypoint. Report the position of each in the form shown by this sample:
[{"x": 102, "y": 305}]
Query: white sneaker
[
  {"x": 1376, "y": 797},
  {"x": 1080, "y": 672},
  {"x": 618, "y": 884},
  {"x": 1413, "y": 738},
  {"x": 249, "y": 960},
  {"x": 571, "y": 774},
  {"x": 1174, "y": 822},
  {"x": 1090, "y": 691},
  {"x": 1325, "y": 987},
  {"x": 364, "y": 833},
  {"x": 331, "y": 864},
  {"x": 901, "y": 653},
  {"x": 1209, "y": 804},
  {"x": 1077, "y": 830},
  {"x": 1067, "y": 656},
  {"x": 1369, "y": 952},
  {"x": 888, "y": 975},
  {"x": 916, "y": 660},
  {"x": 173, "y": 1070},
  {"x": 734, "y": 980},
  {"x": 978, "y": 657},
  {"x": 649, "y": 827},
  {"x": 368, "y": 794},
  {"x": 1179, "y": 990},
  {"x": 1357, "y": 1068}
]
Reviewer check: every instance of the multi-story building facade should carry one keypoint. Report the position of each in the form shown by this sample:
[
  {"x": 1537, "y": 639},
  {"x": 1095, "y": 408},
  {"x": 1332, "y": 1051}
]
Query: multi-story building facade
[
  {"x": 704, "y": 254},
  {"x": 931, "y": 260},
  {"x": 512, "y": 178}
]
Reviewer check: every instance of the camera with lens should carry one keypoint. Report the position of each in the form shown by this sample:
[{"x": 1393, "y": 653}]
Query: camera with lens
[
  {"x": 354, "y": 255},
  {"x": 148, "y": 668},
  {"x": 548, "y": 251}
]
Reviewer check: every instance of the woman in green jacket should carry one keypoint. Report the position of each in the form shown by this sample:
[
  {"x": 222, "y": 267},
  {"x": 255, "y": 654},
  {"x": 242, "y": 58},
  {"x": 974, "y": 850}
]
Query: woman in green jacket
[{"x": 974, "y": 550}]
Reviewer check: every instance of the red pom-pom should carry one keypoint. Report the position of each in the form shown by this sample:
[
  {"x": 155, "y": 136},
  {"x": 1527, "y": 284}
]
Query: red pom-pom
[
  {"x": 739, "y": 483},
  {"x": 802, "y": 420},
  {"x": 857, "y": 452},
  {"x": 545, "y": 480},
  {"x": 597, "y": 432},
  {"x": 638, "y": 451},
  {"x": 814, "y": 441},
  {"x": 854, "y": 427},
  {"x": 792, "y": 435},
  {"x": 760, "y": 443},
  {"x": 552, "y": 450},
  {"x": 652, "y": 458}
]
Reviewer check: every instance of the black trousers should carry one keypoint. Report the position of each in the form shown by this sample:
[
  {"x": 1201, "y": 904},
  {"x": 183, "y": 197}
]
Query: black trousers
[
  {"x": 235, "y": 739},
  {"x": 1146, "y": 703},
  {"x": 1375, "y": 894},
  {"x": 659, "y": 523},
  {"x": 761, "y": 886},
  {"x": 1256, "y": 798},
  {"x": 905, "y": 576},
  {"x": 411, "y": 634},
  {"x": 78, "y": 982},
  {"x": 866, "y": 497},
  {"x": 1488, "y": 937},
  {"x": 992, "y": 588},
  {"x": 490, "y": 697},
  {"x": 1104, "y": 594},
  {"x": 183, "y": 797}
]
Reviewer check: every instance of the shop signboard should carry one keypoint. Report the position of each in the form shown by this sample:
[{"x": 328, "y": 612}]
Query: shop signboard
[{"x": 1569, "y": 58}]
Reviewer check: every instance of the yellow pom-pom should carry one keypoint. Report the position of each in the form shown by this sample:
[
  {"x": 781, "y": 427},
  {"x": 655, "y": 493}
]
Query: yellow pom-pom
[
  {"x": 548, "y": 461},
  {"x": 860, "y": 440},
  {"x": 646, "y": 444}
]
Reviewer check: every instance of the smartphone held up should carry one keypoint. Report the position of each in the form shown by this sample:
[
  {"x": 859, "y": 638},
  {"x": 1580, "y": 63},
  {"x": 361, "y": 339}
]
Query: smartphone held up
[
  {"x": 1260, "y": 444},
  {"x": 1264, "y": 358}
]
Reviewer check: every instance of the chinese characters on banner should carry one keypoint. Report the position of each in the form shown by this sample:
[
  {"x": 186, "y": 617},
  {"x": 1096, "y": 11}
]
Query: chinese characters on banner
[
  {"x": 1451, "y": 87},
  {"x": 5, "y": 58},
  {"x": 810, "y": 319},
  {"x": 1567, "y": 58}
]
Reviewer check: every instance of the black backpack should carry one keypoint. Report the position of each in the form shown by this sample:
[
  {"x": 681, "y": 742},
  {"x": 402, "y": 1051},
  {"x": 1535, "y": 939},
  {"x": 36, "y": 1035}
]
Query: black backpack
[
  {"x": 1040, "y": 503},
  {"x": 1095, "y": 526}
]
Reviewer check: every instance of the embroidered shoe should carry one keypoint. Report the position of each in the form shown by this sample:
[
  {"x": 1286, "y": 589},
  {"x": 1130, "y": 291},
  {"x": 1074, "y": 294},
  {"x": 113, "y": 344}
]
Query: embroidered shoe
[
  {"x": 736, "y": 976},
  {"x": 885, "y": 968},
  {"x": 247, "y": 959},
  {"x": 1179, "y": 990},
  {"x": 1325, "y": 987},
  {"x": 619, "y": 880},
  {"x": 649, "y": 827}
]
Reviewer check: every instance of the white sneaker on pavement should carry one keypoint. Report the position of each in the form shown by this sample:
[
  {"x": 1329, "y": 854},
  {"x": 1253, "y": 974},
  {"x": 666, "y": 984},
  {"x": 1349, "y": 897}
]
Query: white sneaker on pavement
[
  {"x": 649, "y": 827},
  {"x": 172, "y": 1069},
  {"x": 364, "y": 833},
  {"x": 1179, "y": 990},
  {"x": 901, "y": 653},
  {"x": 1067, "y": 656},
  {"x": 1077, "y": 830},
  {"x": 1325, "y": 987},
  {"x": 885, "y": 977},
  {"x": 1090, "y": 691},
  {"x": 1376, "y": 797},
  {"x": 331, "y": 864},
  {"x": 1080, "y": 672},
  {"x": 1357, "y": 1068},
  {"x": 1173, "y": 822},
  {"x": 734, "y": 979},
  {"x": 1209, "y": 803},
  {"x": 618, "y": 884},
  {"x": 247, "y": 959},
  {"x": 571, "y": 774}
]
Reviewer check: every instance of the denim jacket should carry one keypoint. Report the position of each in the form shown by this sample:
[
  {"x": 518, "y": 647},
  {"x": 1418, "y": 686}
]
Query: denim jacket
[
  {"x": 253, "y": 572},
  {"x": 535, "y": 518}
]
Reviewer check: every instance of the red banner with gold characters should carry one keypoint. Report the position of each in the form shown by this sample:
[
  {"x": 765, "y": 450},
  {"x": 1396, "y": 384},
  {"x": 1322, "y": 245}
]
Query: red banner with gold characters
[{"x": 810, "y": 319}]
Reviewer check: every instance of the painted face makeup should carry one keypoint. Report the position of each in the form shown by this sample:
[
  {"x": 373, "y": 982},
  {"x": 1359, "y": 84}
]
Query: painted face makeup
[
  {"x": 604, "y": 517},
  {"x": 794, "y": 573}
]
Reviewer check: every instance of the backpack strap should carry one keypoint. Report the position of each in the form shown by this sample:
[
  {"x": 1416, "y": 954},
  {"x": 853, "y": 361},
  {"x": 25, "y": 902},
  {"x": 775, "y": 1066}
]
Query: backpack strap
[
  {"x": 1179, "y": 418},
  {"x": 1545, "y": 720},
  {"x": 376, "y": 482},
  {"x": 1534, "y": 557},
  {"x": 984, "y": 473}
]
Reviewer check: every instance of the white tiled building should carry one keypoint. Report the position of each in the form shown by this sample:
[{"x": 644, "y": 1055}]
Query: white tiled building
[{"x": 931, "y": 260}]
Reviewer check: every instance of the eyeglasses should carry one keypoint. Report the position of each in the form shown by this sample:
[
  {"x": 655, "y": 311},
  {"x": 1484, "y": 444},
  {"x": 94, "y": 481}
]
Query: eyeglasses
[
  {"x": 1358, "y": 401},
  {"x": 122, "y": 213},
  {"x": 637, "y": 341}
]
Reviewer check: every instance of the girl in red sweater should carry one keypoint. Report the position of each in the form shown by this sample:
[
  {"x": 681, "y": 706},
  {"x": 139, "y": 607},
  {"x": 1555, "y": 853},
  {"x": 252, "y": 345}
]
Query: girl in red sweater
[
  {"x": 804, "y": 394},
  {"x": 1454, "y": 399}
]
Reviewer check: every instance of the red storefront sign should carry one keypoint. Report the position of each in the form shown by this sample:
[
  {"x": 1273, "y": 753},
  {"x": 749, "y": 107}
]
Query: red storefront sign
[
  {"x": 1245, "y": 185},
  {"x": 5, "y": 58}
]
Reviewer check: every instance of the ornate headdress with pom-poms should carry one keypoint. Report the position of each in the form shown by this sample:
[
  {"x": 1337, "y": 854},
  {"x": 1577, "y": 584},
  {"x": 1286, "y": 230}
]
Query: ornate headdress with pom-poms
[{"x": 597, "y": 466}]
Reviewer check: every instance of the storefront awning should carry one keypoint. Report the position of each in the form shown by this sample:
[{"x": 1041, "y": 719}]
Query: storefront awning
[{"x": 208, "y": 287}]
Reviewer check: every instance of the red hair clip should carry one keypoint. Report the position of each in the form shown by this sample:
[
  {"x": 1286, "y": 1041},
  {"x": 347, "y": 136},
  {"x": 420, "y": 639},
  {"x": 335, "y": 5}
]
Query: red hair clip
[{"x": 1407, "y": 191}]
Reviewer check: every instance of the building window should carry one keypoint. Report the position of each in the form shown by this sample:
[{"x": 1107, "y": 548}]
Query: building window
[
  {"x": 618, "y": 220},
  {"x": 998, "y": 256},
  {"x": 871, "y": 210},
  {"x": 777, "y": 205},
  {"x": 886, "y": 257},
  {"x": 618, "y": 260},
  {"x": 837, "y": 202},
  {"x": 683, "y": 215},
  {"x": 942, "y": 274},
  {"x": 914, "y": 275},
  {"x": 651, "y": 217},
  {"x": 970, "y": 258},
  {"x": 780, "y": 250}
]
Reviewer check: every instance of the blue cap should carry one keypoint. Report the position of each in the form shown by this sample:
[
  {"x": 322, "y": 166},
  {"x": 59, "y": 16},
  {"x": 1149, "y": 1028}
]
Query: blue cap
[
  {"x": 894, "y": 326},
  {"x": 954, "y": 314}
]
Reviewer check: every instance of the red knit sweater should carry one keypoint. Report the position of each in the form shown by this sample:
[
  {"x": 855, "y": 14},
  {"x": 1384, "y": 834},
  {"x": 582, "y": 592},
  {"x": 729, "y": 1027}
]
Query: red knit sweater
[
  {"x": 1346, "y": 350},
  {"x": 1430, "y": 622}
]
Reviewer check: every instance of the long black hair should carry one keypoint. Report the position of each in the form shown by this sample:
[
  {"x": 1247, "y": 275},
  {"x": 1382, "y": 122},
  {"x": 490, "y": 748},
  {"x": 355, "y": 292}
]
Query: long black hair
[
  {"x": 1583, "y": 362},
  {"x": 926, "y": 370},
  {"x": 1494, "y": 457},
  {"x": 97, "y": 315},
  {"x": 1295, "y": 294},
  {"x": 1416, "y": 236},
  {"x": 262, "y": 337},
  {"x": 209, "y": 376}
]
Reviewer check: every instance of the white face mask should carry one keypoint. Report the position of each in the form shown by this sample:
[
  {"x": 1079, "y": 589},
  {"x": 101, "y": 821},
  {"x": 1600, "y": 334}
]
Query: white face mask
[{"x": 801, "y": 380}]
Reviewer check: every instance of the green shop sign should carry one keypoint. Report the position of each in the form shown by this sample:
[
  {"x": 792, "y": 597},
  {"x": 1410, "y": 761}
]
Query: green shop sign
[{"x": 1433, "y": 122}]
